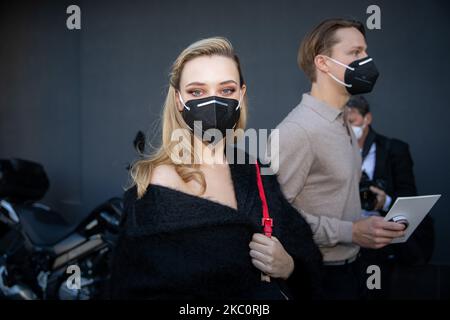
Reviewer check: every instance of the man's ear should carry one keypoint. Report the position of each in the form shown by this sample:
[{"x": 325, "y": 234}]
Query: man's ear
[
  {"x": 320, "y": 62},
  {"x": 369, "y": 118}
]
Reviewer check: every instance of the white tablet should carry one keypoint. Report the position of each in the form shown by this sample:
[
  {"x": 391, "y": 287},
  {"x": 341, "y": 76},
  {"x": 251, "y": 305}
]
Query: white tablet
[{"x": 411, "y": 209}]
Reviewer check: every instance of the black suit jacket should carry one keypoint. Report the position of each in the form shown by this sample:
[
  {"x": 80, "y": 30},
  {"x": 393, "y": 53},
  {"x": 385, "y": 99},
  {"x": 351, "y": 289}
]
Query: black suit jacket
[{"x": 394, "y": 166}]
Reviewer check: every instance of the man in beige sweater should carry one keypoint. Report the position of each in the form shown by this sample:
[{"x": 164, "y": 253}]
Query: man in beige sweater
[{"x": 319, "y": 159}]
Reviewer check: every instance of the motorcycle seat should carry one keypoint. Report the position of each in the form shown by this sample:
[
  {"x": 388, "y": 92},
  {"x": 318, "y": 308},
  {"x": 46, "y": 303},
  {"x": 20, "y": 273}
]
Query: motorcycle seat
[{"x": 43, "y": 227}]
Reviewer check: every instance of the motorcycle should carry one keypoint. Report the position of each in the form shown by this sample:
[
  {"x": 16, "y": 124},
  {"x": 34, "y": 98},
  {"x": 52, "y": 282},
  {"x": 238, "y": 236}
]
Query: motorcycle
[{"x": 42, "y": 255}]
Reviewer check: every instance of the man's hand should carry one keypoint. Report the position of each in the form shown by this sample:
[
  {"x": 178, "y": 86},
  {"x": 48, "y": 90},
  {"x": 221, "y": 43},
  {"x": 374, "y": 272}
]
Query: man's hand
[
  {"x": 375, "y": 233},
  {"x": 381, "y": 197},
  {"x": 269, "y": 256}
]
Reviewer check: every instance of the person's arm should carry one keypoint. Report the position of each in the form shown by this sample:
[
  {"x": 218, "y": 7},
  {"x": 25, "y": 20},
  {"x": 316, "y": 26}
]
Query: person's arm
[
  {"x": 117, "y": 286},
  {"x": 294, "y": 162},
  {"x": 306, "y": 279},
  {"x": 134, "y": 254},
  {"x": 402, "y": 170},
  {"x": 294, "y": 256},
  {"x": 419, "y": 247}
]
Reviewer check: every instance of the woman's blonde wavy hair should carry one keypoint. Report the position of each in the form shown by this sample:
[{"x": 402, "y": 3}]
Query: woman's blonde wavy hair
[{"x": 141, "y": 170}]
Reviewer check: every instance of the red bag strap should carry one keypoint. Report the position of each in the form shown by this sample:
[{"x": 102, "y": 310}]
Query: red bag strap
[{"x": 267, "y": 221}]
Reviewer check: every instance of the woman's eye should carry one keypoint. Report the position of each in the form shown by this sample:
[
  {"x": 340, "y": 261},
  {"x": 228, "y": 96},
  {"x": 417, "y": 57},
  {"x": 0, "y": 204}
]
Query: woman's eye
[
  {"x": 228, "y": 91},
  {"x": 195, "y": 93}
]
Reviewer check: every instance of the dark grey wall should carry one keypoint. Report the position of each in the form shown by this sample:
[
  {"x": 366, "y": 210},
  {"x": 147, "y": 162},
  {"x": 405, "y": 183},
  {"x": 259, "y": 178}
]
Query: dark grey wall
[
  {"x": 40, "y": 94},
  {"x": 73, "y": 100}
]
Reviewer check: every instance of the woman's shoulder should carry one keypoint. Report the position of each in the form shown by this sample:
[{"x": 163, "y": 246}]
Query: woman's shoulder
[
  {"x": 142, "y": 212},
  {"x": 166, "y": 175},
  {"x": 163, "y": 175}
]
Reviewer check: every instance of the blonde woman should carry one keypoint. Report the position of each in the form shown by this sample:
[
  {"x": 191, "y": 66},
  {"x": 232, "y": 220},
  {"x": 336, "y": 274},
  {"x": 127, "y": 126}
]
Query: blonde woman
[{"x": 193, "y": 222}]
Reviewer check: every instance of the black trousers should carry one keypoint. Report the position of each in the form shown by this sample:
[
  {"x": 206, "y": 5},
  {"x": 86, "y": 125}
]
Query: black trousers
[
  {"x": 387, "y": 267},
  {"x": 344, "y": 282}
]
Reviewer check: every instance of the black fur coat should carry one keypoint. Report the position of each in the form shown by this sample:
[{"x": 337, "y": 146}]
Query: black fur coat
[{"x": 178, "y": 246}]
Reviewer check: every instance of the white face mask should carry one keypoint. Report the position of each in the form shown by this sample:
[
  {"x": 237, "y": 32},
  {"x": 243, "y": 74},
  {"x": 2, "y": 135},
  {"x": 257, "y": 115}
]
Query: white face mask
[{"x": 358, "y": 131}]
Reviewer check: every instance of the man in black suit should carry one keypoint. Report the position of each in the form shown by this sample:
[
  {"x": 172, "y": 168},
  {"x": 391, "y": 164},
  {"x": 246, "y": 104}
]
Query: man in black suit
[{"x": 388, "y": 163}]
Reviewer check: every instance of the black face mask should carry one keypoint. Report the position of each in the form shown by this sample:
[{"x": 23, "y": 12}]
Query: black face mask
[
  {"x": 213, "y": 112},
  {"x": 360, "y": 75}
]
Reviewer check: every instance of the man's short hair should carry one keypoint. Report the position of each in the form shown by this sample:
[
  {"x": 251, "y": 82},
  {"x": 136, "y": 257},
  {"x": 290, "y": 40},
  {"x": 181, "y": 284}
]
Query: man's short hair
[
  {"x": 321, "y": 41},
  {"x": 360, "y": 104}
]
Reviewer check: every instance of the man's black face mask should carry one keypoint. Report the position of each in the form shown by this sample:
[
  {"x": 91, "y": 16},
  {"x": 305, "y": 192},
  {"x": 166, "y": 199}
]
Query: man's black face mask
[{"x": 360, "y": 75}]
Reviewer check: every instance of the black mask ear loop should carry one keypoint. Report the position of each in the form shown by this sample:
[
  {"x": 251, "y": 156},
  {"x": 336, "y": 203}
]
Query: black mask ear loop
[
  {"x": 240, "y": 99},
  {"x": 342, "y": 65},
  {"x": 186, "y": 107},
  {"x": 182, "y": 101},
  {"x": 239, "y": 105}
]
